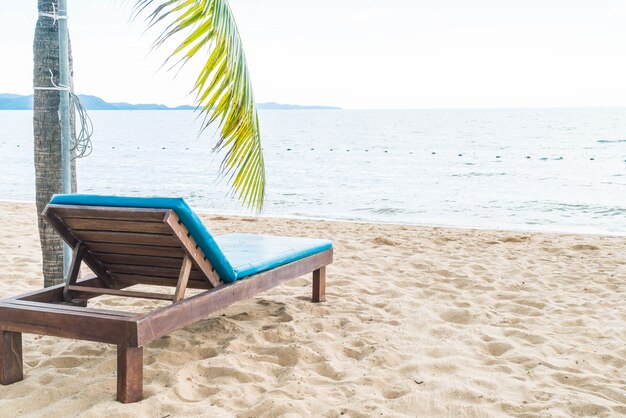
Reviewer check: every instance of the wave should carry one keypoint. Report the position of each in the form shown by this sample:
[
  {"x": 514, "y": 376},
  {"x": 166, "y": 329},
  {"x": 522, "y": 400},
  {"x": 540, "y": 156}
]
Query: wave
[
  {"x": 611, "y": 141},
  {"x": 601, "y": 210},
  {"x": 384, "y": 211},
  {"x": 478, "y": 174}
]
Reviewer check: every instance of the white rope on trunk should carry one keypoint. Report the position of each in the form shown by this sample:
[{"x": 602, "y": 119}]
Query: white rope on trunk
[
  {"x": 54, "y": 15},
  {"x": 82, "y": 146}
]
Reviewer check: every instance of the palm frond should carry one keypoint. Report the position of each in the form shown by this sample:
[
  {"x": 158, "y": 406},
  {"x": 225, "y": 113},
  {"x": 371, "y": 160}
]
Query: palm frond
[{"x": 223, "y": 89}]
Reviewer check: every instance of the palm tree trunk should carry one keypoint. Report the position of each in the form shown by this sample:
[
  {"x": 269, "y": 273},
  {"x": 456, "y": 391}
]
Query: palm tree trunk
[{"x": 47, "y": 137}]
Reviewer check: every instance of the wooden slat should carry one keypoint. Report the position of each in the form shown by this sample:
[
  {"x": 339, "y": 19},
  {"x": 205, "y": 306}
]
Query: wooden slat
[
  {"x": 72, "y": 276},
  {"x": 138, "y": 260},
  {"x": 148, "y": 250},
  {"x": 142, "y": 270},
  {"x": 66, "y": 324},
  {"x": 183, "y": 278},
  {"x": 134, "y": 279},
  {"x": 127, "y": 238},
  {"x": 125, "y": 293},
  {"x": 113, "y": 269},
  {"x": 71, "y": 308},
  {"x": 51, "y": 294},
  {"x": 116, "y": 225},
  {"x": 170, "y": 318},
  {"x": 191, "y": 248},
  {"x": 101, "y": 212},
  {"x": 196, "y": 275}
]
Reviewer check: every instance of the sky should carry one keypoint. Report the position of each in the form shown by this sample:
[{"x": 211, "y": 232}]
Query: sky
[{"x": 360, "y": 54}]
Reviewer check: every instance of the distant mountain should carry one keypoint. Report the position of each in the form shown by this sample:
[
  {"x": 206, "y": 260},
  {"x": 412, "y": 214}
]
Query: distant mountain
[
  {"x": 15, "y": 102},
  {"x": 96, "y": 103},
  {"x": 18, "y": 102}
]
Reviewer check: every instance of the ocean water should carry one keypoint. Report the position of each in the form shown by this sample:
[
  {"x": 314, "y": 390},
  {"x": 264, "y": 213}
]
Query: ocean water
[{"x": 527, "y": 169}]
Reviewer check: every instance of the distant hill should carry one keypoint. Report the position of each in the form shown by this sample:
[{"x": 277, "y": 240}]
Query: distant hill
[
  {"x": 18, "y": 102},
  {"x": 15, "y": 102},
  {"x": 96, "y": 103}
]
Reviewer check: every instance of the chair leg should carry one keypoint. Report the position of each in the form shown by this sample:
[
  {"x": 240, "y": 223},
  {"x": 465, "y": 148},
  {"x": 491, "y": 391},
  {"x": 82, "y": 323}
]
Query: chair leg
[
  {"x": 319, "y": 285},
  {"x": 129, "y": 374},
  {"x": 11, "y": 365}
]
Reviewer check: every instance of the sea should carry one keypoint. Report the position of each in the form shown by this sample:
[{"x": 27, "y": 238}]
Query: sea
[{"x": 561, "y": 170}]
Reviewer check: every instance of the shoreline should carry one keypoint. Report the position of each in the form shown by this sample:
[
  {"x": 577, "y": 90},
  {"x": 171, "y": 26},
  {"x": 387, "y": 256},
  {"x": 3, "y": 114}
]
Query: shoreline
[{"x": 506, "y": 228}]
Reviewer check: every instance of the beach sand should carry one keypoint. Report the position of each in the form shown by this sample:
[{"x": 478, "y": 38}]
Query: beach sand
[{"x": 419, "y": 321}]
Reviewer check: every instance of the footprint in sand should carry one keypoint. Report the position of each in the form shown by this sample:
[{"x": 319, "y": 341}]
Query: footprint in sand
[
  {"x": 585, "y": 247},
  {"x": 190, "y": 390},
  {"x": 531, "y": 303},
  {"x": 580, "y": 410},
  {"x": 395, "y": 392},
  {"x": 220, "y": 374},
  {"x": 497, "y": 348},
  {"x": 386, "y": 241},
  {"x": 65, "y": 362},
  {"x": 526, "y": 337},
  {"x": 357, "y": 354},
  {"x": 519, "y": 238},
  {"x": 329, "y": 370},
  {"x": 202, "y": 352},
  {"x": 276, "y": 310},
  {"x": 457, "y": 316},
  {"x": 444, "y": 273},
  {"x": 287, "y": 356}
]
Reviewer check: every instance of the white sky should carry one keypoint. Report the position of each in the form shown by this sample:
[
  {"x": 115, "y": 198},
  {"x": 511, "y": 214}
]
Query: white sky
[{"x": 358, "y": 53}]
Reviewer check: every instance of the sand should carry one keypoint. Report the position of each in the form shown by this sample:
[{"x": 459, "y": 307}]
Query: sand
[{"x": 419, "y": 321}]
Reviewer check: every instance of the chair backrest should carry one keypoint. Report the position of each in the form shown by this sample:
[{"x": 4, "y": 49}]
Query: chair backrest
[{"x": 132, "y": 238}]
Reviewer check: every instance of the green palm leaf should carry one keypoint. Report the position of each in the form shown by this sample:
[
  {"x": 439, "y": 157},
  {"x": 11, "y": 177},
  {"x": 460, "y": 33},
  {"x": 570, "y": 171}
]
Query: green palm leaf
[{"x": 223, "y": 89}]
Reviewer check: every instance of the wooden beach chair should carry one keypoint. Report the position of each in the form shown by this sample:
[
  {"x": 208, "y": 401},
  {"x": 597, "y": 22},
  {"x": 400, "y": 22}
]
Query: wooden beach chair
[{"x": 155, "y": 241}]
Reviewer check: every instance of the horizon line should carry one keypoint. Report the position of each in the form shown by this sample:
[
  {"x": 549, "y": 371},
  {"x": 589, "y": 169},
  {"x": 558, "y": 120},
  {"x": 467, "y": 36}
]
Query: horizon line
[{"x": 338, "y": 107}]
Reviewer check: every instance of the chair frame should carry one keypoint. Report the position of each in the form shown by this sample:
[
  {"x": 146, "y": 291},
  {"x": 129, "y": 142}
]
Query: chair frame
[{"x": 62, "y": 310}]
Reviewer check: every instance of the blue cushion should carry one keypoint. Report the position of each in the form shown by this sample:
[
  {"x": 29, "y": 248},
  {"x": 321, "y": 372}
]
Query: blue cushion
[
  {"x": 233, "y": 256},
  {"x": 195, "y": 226},
  {"x": 250, "y": 254}
]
